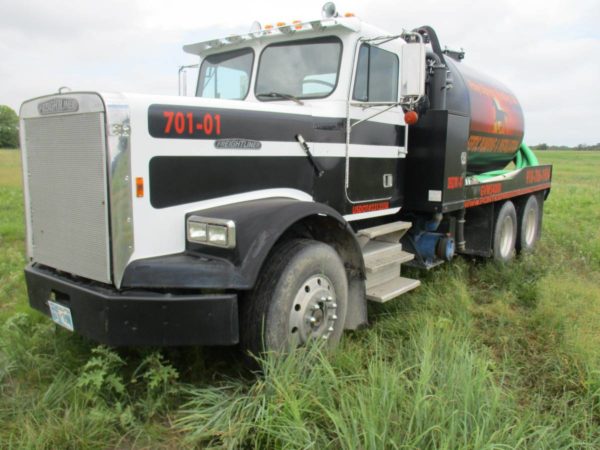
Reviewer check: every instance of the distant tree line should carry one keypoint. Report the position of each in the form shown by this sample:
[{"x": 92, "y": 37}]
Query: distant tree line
[
  {"x": 593, "y": 147},
  {"x": 9, "y": 127}
]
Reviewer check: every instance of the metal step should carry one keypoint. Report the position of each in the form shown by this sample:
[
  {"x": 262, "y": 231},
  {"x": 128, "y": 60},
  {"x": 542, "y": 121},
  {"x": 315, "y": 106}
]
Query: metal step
[
  {"x": 376, "y": 250},
  {"x": 386, "y": 228},
  {"x": 383, "y": 275},
  {"x": 391, "y": 289},
  {"x": 376, "y": 263}
]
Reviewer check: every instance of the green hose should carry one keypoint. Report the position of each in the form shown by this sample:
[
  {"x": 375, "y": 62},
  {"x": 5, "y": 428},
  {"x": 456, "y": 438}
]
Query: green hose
[
  {"x": 524, "y": 158},
  {"x": 528, "y": 155},
  {"x": 519, "y": 159}
]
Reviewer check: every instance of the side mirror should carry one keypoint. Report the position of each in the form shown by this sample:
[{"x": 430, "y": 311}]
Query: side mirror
[
  {"x": 412, "y": 81},
  {"x": 182, "y": 79}
]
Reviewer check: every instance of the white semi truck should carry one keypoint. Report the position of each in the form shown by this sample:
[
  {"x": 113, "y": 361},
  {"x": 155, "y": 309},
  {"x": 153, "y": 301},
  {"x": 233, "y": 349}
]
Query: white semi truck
[{"x": 315, "y": 159}]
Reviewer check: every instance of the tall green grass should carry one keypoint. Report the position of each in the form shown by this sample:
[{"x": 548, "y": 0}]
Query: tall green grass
[
  {"x": 12, "y": 233},
  {"x": 438, "y": 371},
  {"x": 481, "y": 356}
]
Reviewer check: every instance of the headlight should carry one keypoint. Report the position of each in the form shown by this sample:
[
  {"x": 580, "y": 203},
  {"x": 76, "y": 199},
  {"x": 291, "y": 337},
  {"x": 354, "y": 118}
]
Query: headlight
[
  {"x": 216, "y": 232},
  {"x": 196, "y": 231}
]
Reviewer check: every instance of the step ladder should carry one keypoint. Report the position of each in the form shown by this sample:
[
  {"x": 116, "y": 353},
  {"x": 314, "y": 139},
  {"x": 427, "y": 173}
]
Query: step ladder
[{"x": 383, "y": 256}]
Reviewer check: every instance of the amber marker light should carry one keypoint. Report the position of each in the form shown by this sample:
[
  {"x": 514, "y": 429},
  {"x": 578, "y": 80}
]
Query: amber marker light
[
  {"x": 349, "y": 15},
  {"x": 411, "y": 117},
  {"x": 268, "y": 27},
  {"x": 139, "y": 187},
  {"x": 281, "y": 24}
]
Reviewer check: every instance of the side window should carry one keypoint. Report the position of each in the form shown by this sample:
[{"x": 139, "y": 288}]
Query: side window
[
  {"x": 226, "y": 75},
  {"x": 361, "y": 84},
  {"x": 376, "y": 75}
]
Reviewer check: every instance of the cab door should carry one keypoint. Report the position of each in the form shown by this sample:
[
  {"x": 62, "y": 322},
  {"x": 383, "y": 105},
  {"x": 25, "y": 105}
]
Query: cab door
[{"x": 377, "y": 143}]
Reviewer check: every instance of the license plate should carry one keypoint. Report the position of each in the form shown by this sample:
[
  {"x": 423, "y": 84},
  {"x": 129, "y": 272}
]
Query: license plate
[{"x": 61, "y": 315}]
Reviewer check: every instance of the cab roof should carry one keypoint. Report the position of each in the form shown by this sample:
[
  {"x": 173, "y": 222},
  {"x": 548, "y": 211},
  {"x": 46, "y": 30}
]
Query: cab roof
[{"x": 351, "y": 24}]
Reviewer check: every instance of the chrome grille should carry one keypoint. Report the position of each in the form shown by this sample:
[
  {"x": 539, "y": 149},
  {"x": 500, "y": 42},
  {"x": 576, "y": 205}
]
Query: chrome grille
[{"x": 66, "y": 180}]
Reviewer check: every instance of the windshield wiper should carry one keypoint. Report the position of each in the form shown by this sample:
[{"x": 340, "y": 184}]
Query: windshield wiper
[{"x": 280, "y": 95}]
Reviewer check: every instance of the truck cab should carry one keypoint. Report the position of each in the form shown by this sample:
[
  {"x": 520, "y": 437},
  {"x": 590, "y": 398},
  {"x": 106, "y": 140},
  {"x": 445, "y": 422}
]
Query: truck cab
[
  {"x": 264, "y": 210},
  {"x": 296, "y": 82}
]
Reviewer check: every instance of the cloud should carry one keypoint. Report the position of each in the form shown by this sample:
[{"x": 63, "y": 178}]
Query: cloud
[
  {"x": 547, "y": 52},
  {"x": 65, "y": 20}
]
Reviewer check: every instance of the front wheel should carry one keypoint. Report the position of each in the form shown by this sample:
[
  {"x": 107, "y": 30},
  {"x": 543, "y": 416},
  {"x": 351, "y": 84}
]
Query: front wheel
[{"x": 301, "y": 295}]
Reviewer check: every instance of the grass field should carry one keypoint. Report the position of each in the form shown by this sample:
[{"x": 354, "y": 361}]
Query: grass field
[{"x": 479, "y": 357}]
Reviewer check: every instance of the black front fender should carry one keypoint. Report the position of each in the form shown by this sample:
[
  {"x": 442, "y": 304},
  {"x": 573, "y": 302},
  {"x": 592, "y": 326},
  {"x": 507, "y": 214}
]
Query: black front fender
[{"x": 259, "y": 225}]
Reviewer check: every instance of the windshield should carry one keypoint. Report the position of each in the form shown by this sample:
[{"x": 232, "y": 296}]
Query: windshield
[
  {"x": 302, "y": 69},
  {"x": 226, "y": 75}
]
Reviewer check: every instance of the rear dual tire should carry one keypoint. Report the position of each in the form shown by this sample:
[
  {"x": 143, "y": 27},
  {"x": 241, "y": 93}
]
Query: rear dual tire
[
  {"x": 529, "y": 225},
  {"x": 505, "y": 233},
  {"x": 512, "y": 233}
]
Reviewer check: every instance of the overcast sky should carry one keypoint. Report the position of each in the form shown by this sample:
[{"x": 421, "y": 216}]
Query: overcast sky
[{"x": 546, "y": 51}]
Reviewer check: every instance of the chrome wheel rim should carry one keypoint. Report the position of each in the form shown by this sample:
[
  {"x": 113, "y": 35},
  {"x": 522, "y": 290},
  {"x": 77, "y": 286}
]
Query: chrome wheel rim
[
  {"x": 506, "y": 237},
  {"x": 314, "y": 311},
  {"x": 530, "y": 227}
]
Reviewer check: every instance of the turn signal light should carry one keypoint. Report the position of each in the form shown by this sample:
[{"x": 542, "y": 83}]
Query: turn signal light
[
  {"x": 268, "y": 27},
  {"x": 280, "y": 24},
  {"x": 349, "y": 15},
  {"x": 411, "y": 117},
  {"x": 139, "y": 187}
]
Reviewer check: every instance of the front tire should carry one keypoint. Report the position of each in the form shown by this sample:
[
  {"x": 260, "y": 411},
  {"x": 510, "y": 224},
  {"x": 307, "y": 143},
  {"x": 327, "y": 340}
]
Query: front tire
[{"x": 301, "y": 295}]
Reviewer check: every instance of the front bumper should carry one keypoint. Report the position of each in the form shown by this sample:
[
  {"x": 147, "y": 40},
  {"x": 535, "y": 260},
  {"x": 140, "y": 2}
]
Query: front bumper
[{"x": 136, "y": 318}]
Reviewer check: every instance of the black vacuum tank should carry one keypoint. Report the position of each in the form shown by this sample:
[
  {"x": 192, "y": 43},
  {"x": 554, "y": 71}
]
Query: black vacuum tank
[
  {"x": 496, "y": 118},
  {"x": 468, "y": 124}
]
